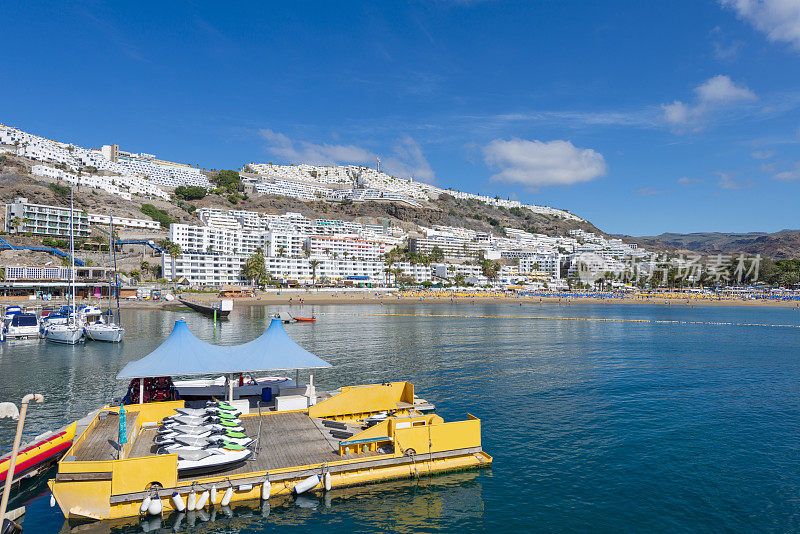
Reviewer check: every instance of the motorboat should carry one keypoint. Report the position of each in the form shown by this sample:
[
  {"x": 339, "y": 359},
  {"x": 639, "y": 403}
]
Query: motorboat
[
  {"x": 199, "y": 421},
  {"x": 223, "y": 309},
  {"x": 199, "y": 429},
  {"x": 201, "y": 442},
  {"x": 22, "y": 325},
  {"x": 205, "y": 388}
]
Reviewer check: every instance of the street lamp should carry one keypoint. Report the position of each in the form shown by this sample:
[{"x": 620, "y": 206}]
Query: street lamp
[{"x": 9, "y": 409}]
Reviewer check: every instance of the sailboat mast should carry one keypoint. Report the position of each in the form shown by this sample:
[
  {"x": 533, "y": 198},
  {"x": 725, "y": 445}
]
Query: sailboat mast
[
  {"x": 72, "y": 254},
  {"x": 111, "y": 241},
  {"x": 116, "y": 274}
]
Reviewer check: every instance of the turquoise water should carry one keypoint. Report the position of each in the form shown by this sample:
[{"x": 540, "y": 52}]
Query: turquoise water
[{"x": 689, "y": 421}]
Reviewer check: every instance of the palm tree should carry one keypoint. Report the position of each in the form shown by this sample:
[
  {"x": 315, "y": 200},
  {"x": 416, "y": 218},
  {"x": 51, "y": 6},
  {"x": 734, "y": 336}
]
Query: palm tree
[
  {"x": 397, "y": 272},
  {"x": 314, "y": 264},
  {"x": 281, "y": 251},
  {"x": 254, "y": 268}
]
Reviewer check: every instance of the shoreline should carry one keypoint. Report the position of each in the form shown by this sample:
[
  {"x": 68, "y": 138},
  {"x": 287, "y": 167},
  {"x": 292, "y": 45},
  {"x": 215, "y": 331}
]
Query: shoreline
[{"x": 295, "y": 298}]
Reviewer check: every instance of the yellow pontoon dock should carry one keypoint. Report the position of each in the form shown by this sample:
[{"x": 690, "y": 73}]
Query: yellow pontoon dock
[{"x": 325, "y": 446}]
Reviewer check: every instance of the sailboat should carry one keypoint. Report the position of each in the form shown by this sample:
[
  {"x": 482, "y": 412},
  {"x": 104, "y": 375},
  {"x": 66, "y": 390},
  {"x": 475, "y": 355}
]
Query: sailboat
[
  {"x": 71, "y": 332},
  {"x": 110, "y": 332}
]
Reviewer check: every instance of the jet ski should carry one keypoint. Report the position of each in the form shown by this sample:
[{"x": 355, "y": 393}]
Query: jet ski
[
  {"x": 215, "y": 440},
  {"x": 191, "y": 439},
  {"x": 199, "y": 429},
  {"x": 209, "y": 410},
  {"x": 198, "y": 421},
  {"x": 207, "y": 460}
]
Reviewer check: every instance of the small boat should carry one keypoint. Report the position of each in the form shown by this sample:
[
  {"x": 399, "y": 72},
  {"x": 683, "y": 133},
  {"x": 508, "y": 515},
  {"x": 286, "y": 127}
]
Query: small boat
[
  {"x": 99, "y": 329},
  {"x": 306, "y": 319},
  {"x": 22, "y": 325},
  {"x": 110, "y": 333},
  {"x": 34, "y": 457},
  {"x": 69, "y": 334},
  {"x": 222, "y": 310}
]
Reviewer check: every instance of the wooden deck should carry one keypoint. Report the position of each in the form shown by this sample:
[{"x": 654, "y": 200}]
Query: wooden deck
[
  {"x": 288, "y": 439},
  {"x": 96, "y": 446}
]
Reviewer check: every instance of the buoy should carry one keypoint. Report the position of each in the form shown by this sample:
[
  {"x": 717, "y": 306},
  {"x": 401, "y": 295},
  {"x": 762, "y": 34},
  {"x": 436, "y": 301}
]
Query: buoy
[
  {"x": 327, "y": 481},
  {"x": 178, "y": 503},
  {"x": 201, "y": 502},
  {"x": 155, "y": 508},
  {"x": 227, "y": 497},
  {"x": 192, "y": 501},
  {"x": 245, "y": 487},
  {"x": 213, "y": 495},
  {"x": 52, "y": 500},
  {"x": 266, "y": 489},
  {"x": 305, "y": 485},
  {"x": 145, "y": 505}
]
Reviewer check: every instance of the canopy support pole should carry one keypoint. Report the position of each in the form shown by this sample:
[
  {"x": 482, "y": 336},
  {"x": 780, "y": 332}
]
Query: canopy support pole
[
  {"x": 141, "y": 391},
  {"x": 230, "y": 387},
  {"x": 297, "y": 378}
]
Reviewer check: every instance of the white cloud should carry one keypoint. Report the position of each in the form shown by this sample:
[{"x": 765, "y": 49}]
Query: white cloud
[
  {"x": 721, "y": 90},
  {"x": 713, "y": 94},
  {"x": 727, "y": 181},
  {"x": 779, "y": 19},
  {"x": 763, "y": 154},
  {"x": 537, "y": 163},
  {"x": 313, "y": 154},
  {"x": 688, "y": 182},
  {"x": 790, "y": 175},
  {"x": 406, "y": 158}
]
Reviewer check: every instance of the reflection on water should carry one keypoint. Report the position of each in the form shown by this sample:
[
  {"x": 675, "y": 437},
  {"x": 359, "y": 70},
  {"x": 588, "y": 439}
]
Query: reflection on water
[{"x": 435, "y": 503}]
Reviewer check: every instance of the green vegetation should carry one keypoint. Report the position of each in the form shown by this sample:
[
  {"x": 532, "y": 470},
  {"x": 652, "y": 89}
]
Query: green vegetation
[
  {"x": 173, "y": 249},
  {"x": 192, "y": 192},
  {"x": 60, "y": 190},
  {"x": 157, "y": 215},
  {"x": 229, "y": 181},
  {"x": 255, "y": 269}
]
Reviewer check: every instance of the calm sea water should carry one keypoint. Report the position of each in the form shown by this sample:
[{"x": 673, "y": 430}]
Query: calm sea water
[{"x": 683, "y": 420}]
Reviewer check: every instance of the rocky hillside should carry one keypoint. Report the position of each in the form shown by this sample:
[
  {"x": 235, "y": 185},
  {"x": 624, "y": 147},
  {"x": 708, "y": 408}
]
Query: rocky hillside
[{"x": 779, "y": 245}]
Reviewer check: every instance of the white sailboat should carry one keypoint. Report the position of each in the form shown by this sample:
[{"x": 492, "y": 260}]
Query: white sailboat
[
  {"x": 109, "y": 332},
  {"x": 71, "y": 332}
]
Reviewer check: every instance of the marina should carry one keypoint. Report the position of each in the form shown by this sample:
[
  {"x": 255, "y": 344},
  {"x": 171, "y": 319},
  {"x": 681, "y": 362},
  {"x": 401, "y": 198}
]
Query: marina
[{"x": 536, "y": 403}]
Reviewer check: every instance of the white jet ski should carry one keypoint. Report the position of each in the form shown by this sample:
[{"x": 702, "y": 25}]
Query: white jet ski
[
  {"x": 198, "y": 421},
  {"x": 209, "y": 410},
  {"x": 197, "y": 461},
  {"x": 197, "y": 429},
  {"x": 215, "y": 440},
  {"x": 173, "y": 437}
]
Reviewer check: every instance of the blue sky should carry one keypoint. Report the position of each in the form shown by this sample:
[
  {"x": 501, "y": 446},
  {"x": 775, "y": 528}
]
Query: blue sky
[{"x": 643, "y": 117}]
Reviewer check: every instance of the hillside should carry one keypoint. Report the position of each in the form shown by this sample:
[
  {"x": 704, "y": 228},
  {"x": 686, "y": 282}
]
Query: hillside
[
  {"x": 779, "y": 245},
  {"x": 15, "y": 180}
]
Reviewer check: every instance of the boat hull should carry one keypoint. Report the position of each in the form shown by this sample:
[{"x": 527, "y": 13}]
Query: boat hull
[
  {"x": 206, "y": 310},
  {"x": 107, "y": 333},
  {"x": 66, "y": 336}
]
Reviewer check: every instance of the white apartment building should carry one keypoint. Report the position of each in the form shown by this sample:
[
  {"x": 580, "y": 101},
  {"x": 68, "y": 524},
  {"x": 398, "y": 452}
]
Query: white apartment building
[
  {"x": 25, "y": 217},
  {"x": 346, "y": 247},
  {"x": 538, "y": 263},
  {"x": 204, "y": 269},
  {"x": 452, "y": 248},
  {"x": 127, "y": 222}
]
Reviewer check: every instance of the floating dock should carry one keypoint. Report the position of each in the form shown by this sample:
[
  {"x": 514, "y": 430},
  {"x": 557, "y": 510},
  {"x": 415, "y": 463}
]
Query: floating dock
[{"x": 289, "y": 446}]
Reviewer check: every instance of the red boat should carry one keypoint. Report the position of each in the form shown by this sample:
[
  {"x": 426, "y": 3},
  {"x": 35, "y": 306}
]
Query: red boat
[{"x": 305, "y": 319}]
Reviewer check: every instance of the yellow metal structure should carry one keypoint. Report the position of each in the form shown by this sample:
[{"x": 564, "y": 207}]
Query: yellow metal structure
[{"x": 109, "y": 488}]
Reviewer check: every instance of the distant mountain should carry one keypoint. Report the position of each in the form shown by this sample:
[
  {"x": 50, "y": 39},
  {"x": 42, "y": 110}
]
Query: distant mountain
[{"x": 779, "y": 245}]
